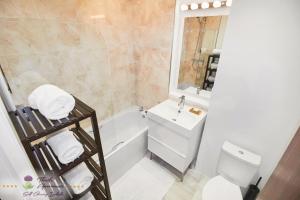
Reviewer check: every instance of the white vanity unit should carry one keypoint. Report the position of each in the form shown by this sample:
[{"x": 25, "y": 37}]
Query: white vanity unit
[{"x": 174, "y": 136}]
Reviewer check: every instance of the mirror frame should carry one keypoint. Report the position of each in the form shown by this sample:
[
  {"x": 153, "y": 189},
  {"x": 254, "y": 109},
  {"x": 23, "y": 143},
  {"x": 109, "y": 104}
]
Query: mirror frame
[{"x": 180, "y": 16}]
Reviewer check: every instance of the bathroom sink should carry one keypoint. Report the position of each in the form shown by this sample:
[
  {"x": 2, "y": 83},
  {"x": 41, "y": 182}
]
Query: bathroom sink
[{"x": 166, "y": 113}]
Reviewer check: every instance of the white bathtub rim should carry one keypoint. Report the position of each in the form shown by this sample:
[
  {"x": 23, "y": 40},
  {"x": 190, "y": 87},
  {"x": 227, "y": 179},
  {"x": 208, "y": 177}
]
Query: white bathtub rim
[
  {"x": 134, "y": 108},
  {"x": 119, "y": 114}
]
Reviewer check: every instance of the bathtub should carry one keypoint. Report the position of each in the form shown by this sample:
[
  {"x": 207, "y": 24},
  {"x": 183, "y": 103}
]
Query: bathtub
[{"x": 124, "y": 141}]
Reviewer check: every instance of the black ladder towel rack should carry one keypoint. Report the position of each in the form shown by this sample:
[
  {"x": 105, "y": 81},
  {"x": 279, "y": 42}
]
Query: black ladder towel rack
[
  {"x": 213, "y": 58},
  {"x": 32, "y": 128}
]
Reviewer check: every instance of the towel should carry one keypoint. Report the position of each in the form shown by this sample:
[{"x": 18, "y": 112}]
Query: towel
[
  {"x": 209, "y": 89},
  {"x": 216, "y": 51},
  {"x": 79, "y": 178},
  {"x": 87, "y": 196},
  {"x": 65, "y": 146},
  {"x": 211, "y": 78},
  {"x": 213, "y": 65},
  {"x": 53, "y": 102}
]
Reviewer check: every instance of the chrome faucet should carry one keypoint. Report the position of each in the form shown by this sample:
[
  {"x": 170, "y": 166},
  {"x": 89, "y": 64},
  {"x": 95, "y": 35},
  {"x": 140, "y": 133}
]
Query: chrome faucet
[{"x": 181, "y": 103}]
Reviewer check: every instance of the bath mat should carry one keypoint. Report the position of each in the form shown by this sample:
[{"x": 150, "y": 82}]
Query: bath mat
[{"x": 147, "y": 180}]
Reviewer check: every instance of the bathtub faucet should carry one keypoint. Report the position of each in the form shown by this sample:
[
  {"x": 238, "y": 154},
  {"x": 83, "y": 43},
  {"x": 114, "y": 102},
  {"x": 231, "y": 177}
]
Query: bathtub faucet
[
  {"x": 141, "y": 108},
  {"x": 198, "y": 90},
  {"x": 143, "y": 111},
  {"x": 181, "y": 103}
]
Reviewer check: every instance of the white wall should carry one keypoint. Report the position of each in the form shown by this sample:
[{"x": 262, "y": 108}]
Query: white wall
[
  {"x": 7, "y": 177},
  {"x": 256, "y": 98},
  {"x": 14, "y": 163}
]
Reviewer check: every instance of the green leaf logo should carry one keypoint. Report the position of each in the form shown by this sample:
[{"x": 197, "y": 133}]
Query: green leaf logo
[{"x": 28, "y": 185}]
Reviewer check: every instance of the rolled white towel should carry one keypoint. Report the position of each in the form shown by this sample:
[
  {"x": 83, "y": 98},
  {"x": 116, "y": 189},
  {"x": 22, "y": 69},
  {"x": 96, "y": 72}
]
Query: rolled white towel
[
  {"x": 79, "y": 178},
  {"x": 211, "y": 78},
  {"x": 217, "y": 51},
  {"x": 87, "y": 196},
  {"x": 65, "y": 146},
  {"x": 213, "y": 65},
  {"x": 53, "y": 102}
]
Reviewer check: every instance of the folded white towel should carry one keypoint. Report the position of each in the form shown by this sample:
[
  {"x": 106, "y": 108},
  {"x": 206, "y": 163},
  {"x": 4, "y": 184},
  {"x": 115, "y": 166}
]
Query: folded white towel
[
  {"x": 209, "y": 89},
  {"x": 79, "y": 178},
  {"x": 65, "y": 146},
  {"x": 53, "y": 102},
  {"x": 87, "y": 196}
]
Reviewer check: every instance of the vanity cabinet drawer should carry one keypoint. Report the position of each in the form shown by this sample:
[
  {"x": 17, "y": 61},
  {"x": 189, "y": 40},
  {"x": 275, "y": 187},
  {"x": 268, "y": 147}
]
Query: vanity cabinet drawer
[
  {"x": 167, "y": 136},
  {"x": 167, "y": 153}
]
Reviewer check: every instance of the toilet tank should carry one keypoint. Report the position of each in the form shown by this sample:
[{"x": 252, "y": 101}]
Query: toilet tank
[{"x": 237, "y": 164}]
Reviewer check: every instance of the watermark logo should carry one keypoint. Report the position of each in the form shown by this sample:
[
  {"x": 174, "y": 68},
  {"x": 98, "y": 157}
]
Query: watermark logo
[
  {"x": 28, "y": 182},
  {"x": 42, "y": 186},
  {"x": 45, "y": 186}
]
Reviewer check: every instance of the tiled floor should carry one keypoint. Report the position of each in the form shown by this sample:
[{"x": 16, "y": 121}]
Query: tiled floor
[
  {"x": 190, "y": 189},
  {"x": 150, "y": 180}
]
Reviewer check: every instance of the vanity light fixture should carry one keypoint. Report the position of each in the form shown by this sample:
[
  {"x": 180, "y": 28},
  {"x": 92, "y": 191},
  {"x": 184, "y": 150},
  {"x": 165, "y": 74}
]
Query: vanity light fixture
[
  {"x": 217, "y": 4},
  {"x": 184, "y": 7},
  {"x": 194, "y": 6},
  {"x": 228, "y": 3},
  {"x": 204, "y": 5}
]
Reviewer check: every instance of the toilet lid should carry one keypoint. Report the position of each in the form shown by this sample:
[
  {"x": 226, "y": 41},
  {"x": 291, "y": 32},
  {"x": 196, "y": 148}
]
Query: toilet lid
[{"x": 219, "y": 188}]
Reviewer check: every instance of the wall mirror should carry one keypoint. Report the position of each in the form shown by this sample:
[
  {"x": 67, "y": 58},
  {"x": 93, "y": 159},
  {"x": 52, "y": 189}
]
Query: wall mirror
[
  {"x": 201, "y": 50},
  {"x": 197, "y": 49}
]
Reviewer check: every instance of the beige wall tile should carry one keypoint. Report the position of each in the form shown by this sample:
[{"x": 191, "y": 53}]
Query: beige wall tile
[
  {"x": 111, "y": 53},
  {"x": 17, "y": 9},
  {"x": 21, "y": 36},
  {"x": 56, "y": 9}
]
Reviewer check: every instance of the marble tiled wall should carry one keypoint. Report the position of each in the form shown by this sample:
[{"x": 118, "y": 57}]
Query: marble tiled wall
[
  {"x": 83, "y": 46},
  {"x": 110, "y": 53},
  {"x": 153, "y": 35}
]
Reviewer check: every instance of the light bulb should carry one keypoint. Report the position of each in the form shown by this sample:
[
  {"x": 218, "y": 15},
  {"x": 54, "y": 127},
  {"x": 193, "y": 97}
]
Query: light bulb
[
  {"x": 217, "y": 4},
  {"x": 228, "y": 3},
  {"x": 205, "y": 5},
  {"x": 194, "y": 6},
  {"x": 184, "y": 7}
]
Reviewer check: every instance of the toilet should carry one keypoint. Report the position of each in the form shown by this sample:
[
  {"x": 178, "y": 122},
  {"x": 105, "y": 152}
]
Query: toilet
[{"x": 236, "y": 168}]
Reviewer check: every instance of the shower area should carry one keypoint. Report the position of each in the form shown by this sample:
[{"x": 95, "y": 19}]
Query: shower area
[
  {"x": 87, "y": 54},
  {"x": 201, "y": 37}
]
